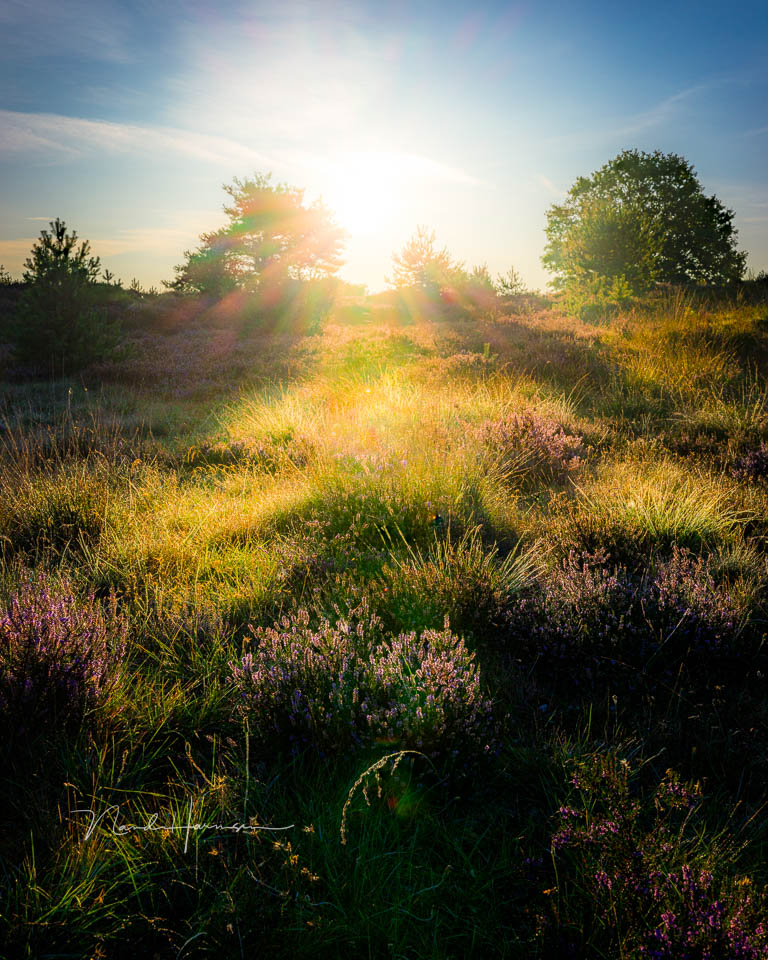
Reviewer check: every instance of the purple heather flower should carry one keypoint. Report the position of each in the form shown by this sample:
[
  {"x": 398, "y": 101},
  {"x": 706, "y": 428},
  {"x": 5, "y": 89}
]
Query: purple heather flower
[{"x": 58, "y": 655}]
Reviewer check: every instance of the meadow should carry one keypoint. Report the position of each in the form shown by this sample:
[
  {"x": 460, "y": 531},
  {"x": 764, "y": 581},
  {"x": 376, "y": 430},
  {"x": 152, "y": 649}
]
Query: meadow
[{"x": 419, "y": 630}]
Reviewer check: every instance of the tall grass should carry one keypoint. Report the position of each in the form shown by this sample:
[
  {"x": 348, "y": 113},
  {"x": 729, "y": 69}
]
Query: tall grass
[{"x": 574, "y": 501}]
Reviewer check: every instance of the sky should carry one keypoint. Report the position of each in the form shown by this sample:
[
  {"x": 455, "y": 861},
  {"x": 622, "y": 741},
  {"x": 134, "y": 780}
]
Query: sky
[{"x": 126, "y": 118}]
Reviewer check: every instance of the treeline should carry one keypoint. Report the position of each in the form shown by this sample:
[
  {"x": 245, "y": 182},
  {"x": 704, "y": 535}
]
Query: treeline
[{"x": 640, "y": 222}]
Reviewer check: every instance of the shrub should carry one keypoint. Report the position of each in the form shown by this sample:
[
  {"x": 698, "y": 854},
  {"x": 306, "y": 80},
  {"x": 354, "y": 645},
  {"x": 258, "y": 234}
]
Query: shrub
[
  {"x": 598, "y": 299},
  {"x": 578, "y": 605},
  {"x": 510, "y": 284},
  {"x": 429, "y": 696},
  {"x": 699, "y": 613},
  {"x": 753, "y": 465},
  {"x": 640, "y": 879},
  {"x": 58, "y": 656},
  {"x": 582, "y": 618},
  {"x": 531, "y": 446},
  {"x": 419, "y": 264},
  {"x": 344, "y": 685},
  {"x": 303, "y": 686}
]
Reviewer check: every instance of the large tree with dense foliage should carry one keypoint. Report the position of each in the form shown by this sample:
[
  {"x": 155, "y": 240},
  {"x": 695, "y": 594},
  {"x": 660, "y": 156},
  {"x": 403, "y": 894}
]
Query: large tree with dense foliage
[
  {"x": 270, "y": 237},
  {"x": 641, "y": 219}
]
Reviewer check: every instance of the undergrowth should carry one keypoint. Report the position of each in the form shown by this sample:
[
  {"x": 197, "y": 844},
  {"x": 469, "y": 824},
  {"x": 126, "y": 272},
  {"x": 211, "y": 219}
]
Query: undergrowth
[{"x": 427, "y": 635}]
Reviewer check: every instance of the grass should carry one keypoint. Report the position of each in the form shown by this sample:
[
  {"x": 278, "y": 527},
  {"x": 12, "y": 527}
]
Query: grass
[
  {"x": 224, "y": 476},
  {"x": 661, "y": 503}
]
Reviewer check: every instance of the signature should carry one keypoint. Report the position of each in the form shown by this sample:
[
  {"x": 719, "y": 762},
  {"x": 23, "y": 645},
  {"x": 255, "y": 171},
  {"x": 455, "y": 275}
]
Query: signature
[{"x": 110, "y": 817}]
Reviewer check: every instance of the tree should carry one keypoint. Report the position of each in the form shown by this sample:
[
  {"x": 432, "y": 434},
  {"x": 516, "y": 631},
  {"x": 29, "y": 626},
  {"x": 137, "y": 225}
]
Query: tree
[
  {"x": 271, "y": 237},
  {"x": 419, "y": 264},
  {"x": 641, "y": 219},
  {"x": 112, "y": 281},
  {"x": 59, "y": 327},
  {"x": 479, "y": 278},
  {"x": 510, "y": 284}
]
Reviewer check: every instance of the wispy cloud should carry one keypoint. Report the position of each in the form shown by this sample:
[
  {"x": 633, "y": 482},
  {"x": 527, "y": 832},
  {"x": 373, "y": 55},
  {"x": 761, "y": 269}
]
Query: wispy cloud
[
  {"x": 33, "y": 29},
  {"x": 16, "y": 250},
  {"x": 418, "y": 166},
  {"x": 50, "y": 137},
  {"x": 389, "y": 165},
  {"x": 165, "y": 243},
  {"x": 158, "y": 240},
  {"x": 547, "y": 184},
  {"x": 307, "y": 74},
  {"x": 663, "y": 113}
]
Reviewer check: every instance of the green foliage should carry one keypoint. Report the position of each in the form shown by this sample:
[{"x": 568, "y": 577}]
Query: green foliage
[
  {"x": 510, "y": 283},
  {"x": 111, "y": 280},
  {"x": 232, "y": 474},
  {"x": 641, "y": 219},
  {"x": 461, "y": 578},
  {"x": 420, "y": 264},
  {"x": 271, "y": 237},
  {"x": 480, "y": 278},
  {"x": 5, "y": 278},
  {"x": 59, "y": 327},
  {"x": 595, "y": 298}
]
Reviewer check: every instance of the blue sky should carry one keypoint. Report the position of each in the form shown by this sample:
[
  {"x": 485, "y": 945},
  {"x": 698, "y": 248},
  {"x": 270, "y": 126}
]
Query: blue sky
[{"x": 125, "y": 118}]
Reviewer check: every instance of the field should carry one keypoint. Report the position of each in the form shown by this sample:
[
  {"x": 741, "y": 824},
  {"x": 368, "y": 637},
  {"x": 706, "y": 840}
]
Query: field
[{"x": 417, "y": 632}]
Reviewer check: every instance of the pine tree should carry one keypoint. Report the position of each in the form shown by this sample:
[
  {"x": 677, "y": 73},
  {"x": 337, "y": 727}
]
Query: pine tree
[{"x": 59, "y": 328}]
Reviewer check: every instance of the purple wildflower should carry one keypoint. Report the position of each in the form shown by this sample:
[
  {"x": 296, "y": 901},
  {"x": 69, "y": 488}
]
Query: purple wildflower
[{"x": 58, "y": 656}]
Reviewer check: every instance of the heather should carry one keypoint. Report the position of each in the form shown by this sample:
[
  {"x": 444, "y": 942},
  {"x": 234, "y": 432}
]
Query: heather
[
  {"x": 753, "y": 465},
  {"x": 527, "y": 445},
  {"x": 586, "y": 618},
  {"x": 346, "y": 684},
  {"x": 58, "y": 659},
  {"x": 649, "y": 861},
  {"x": 464, "y": 600}
]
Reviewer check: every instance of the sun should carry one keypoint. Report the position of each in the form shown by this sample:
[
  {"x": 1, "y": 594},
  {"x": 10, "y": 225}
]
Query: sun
[{"x": 365, "y": 191}]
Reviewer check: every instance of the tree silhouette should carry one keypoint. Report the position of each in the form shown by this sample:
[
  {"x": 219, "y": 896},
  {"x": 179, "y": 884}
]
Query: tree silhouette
[
  {"x": 271, "y": 237},
  {"x": 58, "y": 327}
]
